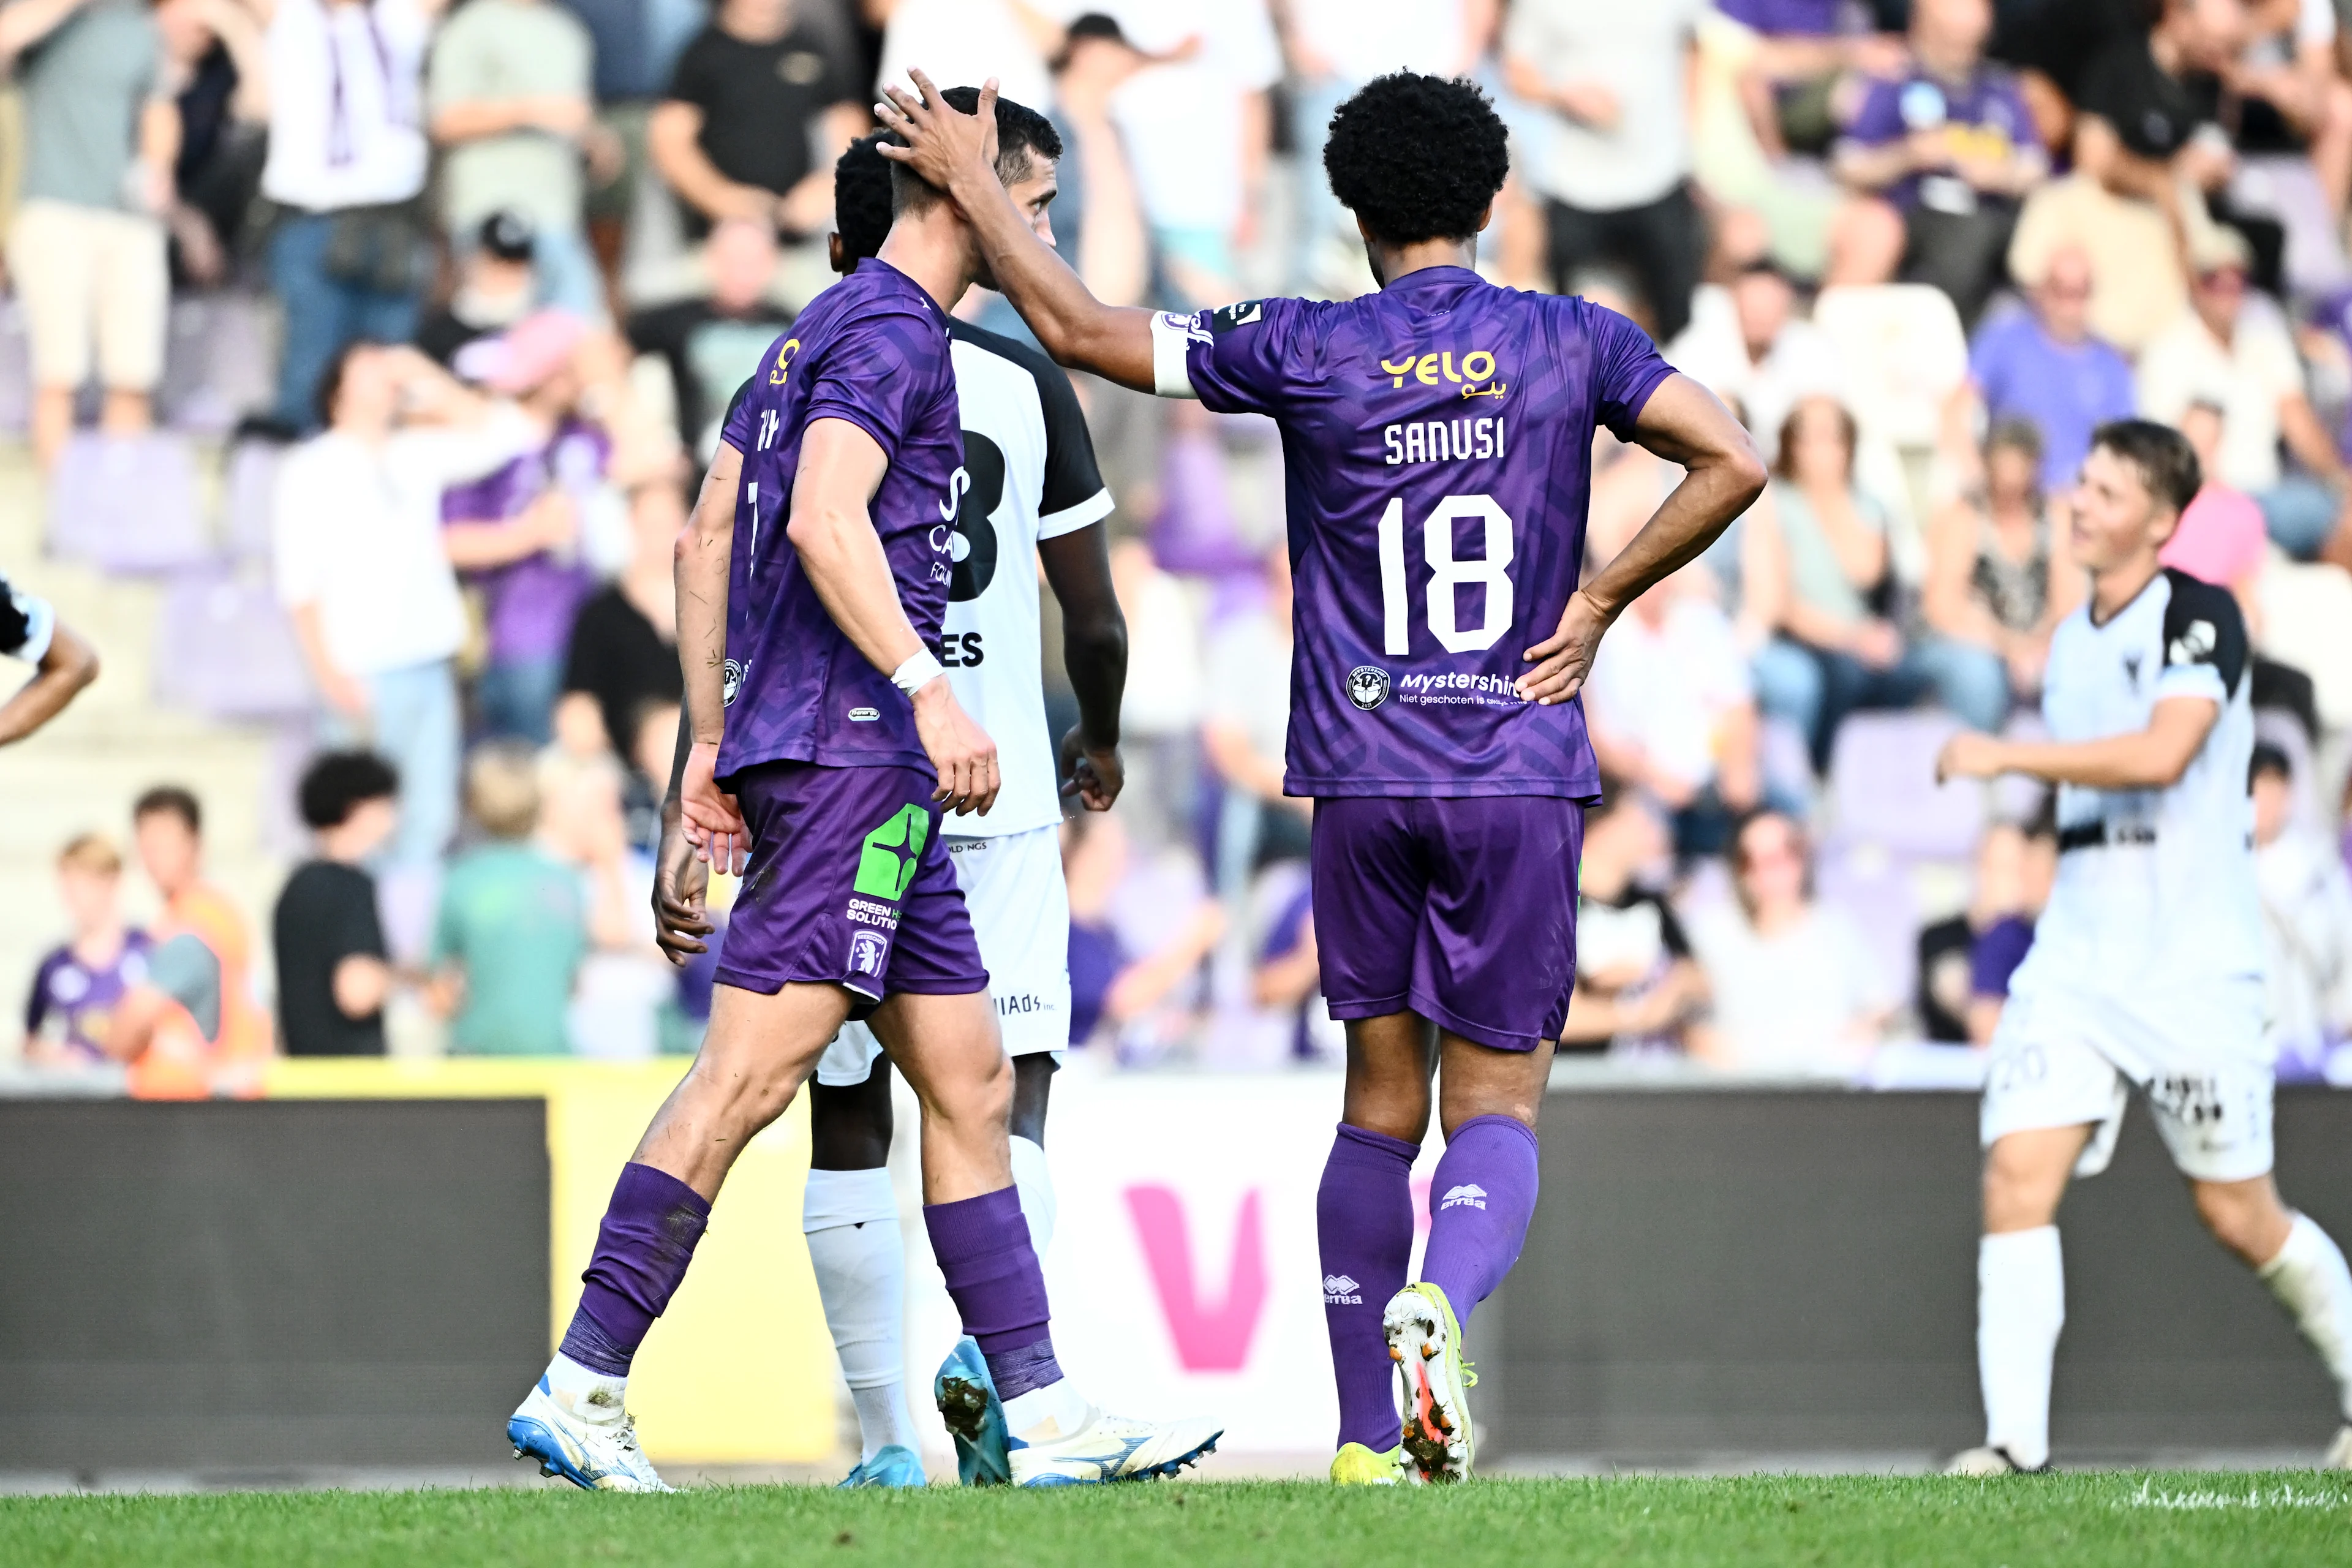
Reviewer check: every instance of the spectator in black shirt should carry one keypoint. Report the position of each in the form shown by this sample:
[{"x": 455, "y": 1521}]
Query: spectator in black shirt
[
  {"x": 736, "y": 135},
  {"x": 215, "y": 70},
  {"x": 496, "y": 287},
  {"x": 711, "y": 344},
  {"x": 623, "y": 649},
  {"x": 333, "y": 973}
]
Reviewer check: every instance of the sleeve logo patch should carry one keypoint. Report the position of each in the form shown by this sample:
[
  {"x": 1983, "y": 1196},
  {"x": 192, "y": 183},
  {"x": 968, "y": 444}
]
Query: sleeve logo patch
[
  {"x": 1194, "y": 327},
  {"x": 730, "y": 682},
  {"x": 1225, "y": 318},
  {"x": 2194, "y": 646}
]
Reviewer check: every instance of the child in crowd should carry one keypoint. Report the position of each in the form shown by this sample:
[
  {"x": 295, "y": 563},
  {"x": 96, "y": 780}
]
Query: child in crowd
[
  {"x": 333, "y": 970},
  {"x": 511, "y": 930},
  {"x": 191, "y": 1028},
  {"x": 77, "y": 985}
]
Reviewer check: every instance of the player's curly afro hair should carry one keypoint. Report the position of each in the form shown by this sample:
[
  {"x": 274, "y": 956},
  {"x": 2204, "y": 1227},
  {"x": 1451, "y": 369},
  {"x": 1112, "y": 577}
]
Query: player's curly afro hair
[{"x": 1417, "y": 157}]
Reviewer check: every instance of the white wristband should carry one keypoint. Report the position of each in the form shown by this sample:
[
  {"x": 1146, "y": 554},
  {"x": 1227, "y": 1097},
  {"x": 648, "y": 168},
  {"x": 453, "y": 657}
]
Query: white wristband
[{"x": 917, "y": 673}]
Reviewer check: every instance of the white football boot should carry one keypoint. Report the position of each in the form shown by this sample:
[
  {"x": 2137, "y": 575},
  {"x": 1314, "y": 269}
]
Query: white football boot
[
  {"x": 595, "y": 1455},
  {"x": 1111, "y": 1448},
  {"x": 2339, "y": 1453},
  {"x": 1979, "y": 1463},
  {"x": 1425, "y": 1343}
]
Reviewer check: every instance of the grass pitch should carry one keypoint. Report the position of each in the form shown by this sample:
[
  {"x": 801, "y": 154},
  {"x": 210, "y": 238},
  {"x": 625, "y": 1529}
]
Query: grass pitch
[{"x": 2240, "y": 1519}]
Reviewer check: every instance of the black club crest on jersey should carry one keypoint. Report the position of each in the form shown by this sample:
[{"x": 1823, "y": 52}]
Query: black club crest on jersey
[
  {"x": 975, "y": 535},
  {"x": 1368, "y": 686},
  {"x": 730, "y": 682}
]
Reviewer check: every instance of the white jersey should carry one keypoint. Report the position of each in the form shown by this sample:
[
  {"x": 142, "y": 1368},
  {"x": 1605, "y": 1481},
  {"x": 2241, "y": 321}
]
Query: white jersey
[
  {"x": 1032, "y": 465},
  {"x": 2156, "y": 886}
]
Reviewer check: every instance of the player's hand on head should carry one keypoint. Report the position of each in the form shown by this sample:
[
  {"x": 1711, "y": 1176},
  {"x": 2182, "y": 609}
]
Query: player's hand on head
[
  {"x": 943, "y": 142},
  {"x": 959, "y": 748},
  {"x": 709, "y": 817},
  {"x": 1093, "y": 775},
  {"x": 1563, "y": 660}
]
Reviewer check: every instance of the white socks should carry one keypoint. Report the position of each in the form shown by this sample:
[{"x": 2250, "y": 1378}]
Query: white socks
[
  {"x": 2310, "y": 1280},
  {"x": 596, "y": 1397},
  {"x": 2021, "y": 1307},
  {"x": 851, "y": 1218},
  {"x": 1044, "y": 1413},
  {"x": 1036, "y": 1185}
]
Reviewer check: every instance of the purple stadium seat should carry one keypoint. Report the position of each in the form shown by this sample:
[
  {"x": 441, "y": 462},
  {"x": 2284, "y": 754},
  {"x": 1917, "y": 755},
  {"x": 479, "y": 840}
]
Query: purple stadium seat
[
  {"x": 248, "y": 495},
  {"x": 216, "y": 362},
  {"x": 127, "y": 503},
  {"x": 1883, "y": 790},
  {"x": 1874, "y": 889},
  {"x": 225, "y": 648}
]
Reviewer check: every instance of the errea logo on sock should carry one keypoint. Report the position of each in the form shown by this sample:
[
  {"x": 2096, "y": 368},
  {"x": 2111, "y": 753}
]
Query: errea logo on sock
[
  {"x": 1468, "y": 1195},
  {"x": 1338, "y": 1291}
]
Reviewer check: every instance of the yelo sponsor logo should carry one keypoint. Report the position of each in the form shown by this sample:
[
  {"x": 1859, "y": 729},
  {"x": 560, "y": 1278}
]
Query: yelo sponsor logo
[
  {"x": 783, "y": 361},
  {"x": 1475, "y": 376}
]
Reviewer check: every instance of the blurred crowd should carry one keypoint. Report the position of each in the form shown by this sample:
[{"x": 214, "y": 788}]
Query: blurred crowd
[{"x": 516, "y": 255}]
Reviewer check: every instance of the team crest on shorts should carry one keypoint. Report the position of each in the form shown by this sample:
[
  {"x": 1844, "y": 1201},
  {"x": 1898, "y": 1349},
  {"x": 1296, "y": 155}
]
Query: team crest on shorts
[
  {"x": 730, "y": 682},
  {"x": 866, "y": 953},
  {"x": 1368, "y": 686}
]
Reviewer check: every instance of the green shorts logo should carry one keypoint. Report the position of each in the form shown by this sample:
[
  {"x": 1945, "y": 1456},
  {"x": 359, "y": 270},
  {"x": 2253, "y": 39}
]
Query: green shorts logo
[{"x": 881, "y": 873}]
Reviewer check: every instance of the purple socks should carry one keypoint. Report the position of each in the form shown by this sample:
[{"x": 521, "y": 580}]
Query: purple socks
[
  {"x": 984, "y": 1252},
  {"x": 1363, "y": 1223},
  {"x": 1479, "y": 1205},
  {"x": 642, "y": 1250}
]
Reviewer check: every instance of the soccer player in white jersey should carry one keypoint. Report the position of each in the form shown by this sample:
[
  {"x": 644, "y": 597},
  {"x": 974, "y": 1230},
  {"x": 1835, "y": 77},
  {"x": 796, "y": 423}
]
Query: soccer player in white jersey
[
  {"x": 2147, "y": 967},
  {"x": 1036, "y": 494}
]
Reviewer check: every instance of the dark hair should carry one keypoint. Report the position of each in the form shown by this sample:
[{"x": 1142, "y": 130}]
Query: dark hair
[
  {"x": 337, "y": 783},
  {"x": 172, "y": 799},
  {"x": 2018, "y": 435},
  {"x": 15, "y": 626},
  {"x": 1417, "y": 157},
  {"x": 330, "y": 380},
  {"x": 2167, "y": 463},
  {"x": 862, "y": 198},
  {"x": 1023, "y": 136},
  {"x": 1784, "y": 462},
  {"x": 2268, "y": 759}
]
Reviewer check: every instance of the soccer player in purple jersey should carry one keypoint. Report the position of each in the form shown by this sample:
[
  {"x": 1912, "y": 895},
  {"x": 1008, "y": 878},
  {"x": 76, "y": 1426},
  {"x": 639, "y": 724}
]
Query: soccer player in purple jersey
[
  {"x": 1437, "y": 439},
  {"x": 811, "y": 581}
]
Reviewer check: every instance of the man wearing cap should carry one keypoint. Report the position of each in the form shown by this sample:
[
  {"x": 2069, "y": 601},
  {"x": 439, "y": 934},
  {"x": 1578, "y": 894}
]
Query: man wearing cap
[
  {"x": 2236, "y": 352},
  {"x": 497, "y": 287}
]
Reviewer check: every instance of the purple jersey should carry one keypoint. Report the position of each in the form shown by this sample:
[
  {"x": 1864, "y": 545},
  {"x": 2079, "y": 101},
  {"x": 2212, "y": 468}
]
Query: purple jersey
[
  {"x": 1984, "y": 116},
  {"x": 1437, "y": 438},
  {"x": 872, "y": 350},
  {"x": 82, "y": 999}
]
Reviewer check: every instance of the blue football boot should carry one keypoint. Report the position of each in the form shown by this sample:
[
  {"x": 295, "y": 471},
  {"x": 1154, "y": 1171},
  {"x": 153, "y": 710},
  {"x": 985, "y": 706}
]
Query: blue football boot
[{"x": 974, "y": 1416}]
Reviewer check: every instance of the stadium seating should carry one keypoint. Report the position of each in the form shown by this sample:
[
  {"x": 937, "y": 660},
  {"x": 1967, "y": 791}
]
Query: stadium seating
[
  {"x": 225, "y": 648},
  {"x": 247, "y": 496},
  {"x": 1883, "y": 789},
  {"x": 218, "y": 363},
  {"x": 127, "y": 504}
]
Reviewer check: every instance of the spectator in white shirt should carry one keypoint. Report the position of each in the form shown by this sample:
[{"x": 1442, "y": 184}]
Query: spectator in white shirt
[
  {"x": 2306, "y": 922},
  {"x": 1199, "y": 127},
  {"x": 1747, "y": 345},
  {"x": 1794, "y": 989},
  {"x": 351, "y": 258},
  {"x": 1672, "y": 708},
  {"x": 361, "y": 569},
  {"x": 1615, "y": 169},
  {"x": 2238, "y": 354},
  {"x": 1334, "y": 47},
  {"x": 966, "y": 42}
]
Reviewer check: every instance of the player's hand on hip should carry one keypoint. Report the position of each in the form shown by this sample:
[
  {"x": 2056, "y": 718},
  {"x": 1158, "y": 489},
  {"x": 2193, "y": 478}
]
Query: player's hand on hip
[
  {"x": 942, "y": 142},
  {"x": 1095, "y": 774},
  {"x": 1563, "y": 660},
  {"x": 682, "y": 882},
  {"x": 960, "y": 749},
  {"x": 1969, "y": 755},
  {"x": 710, "y": 818}
]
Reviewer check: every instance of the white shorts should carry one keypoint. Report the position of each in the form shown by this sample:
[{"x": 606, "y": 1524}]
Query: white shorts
[
  {"x": 2063, "y": 1058},
  {"x": 1021, "y": 915},
  {"x": 91, "y": 274}
]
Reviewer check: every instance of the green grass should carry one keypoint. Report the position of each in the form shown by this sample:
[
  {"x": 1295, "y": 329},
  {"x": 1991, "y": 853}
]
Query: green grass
[{"x": 2283, "y": 1517}]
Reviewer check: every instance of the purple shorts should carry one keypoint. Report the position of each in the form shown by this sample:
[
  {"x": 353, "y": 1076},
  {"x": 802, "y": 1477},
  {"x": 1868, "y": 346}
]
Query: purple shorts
[
  {"x": 849, "y": 885},
  {"x": 1463, "y": 911}
]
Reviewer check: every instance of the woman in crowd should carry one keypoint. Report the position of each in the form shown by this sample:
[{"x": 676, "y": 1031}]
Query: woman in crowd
[
  {"x": 1829, "y": 589},
  {"x": 1996, "y": 584}
]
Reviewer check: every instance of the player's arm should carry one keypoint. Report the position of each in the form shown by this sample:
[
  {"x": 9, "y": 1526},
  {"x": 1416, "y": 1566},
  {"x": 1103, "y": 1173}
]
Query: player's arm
[
  {"x": 841, "y": 466},
  {"x": 2153, "y": 758},
  {"x": 1684, "y": 422},
  {"x": 1093, "y": 648},
  {"x": 66, "y": 665},
  {"x": 704, "y": 553},
  {"x": 957, "y": 153}
]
